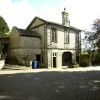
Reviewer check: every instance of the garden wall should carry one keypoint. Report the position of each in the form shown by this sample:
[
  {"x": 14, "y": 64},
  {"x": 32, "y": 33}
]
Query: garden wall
[{"x": 85, "y": 59}]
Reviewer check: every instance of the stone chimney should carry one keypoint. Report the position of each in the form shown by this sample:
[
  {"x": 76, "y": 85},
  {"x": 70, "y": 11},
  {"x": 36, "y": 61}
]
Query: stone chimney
[{"x": 65, "y": 18}]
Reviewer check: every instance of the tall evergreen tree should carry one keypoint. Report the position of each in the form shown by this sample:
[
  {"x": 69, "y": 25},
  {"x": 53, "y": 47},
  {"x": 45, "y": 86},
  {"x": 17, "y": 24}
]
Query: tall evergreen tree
[{"x": 3, "y": 27}]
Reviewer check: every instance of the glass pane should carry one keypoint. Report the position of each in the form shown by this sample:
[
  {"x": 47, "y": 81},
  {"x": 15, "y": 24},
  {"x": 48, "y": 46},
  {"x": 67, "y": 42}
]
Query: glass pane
[
  {"x": 54, "y": 35},
  {"x": 66, "y": 37}
]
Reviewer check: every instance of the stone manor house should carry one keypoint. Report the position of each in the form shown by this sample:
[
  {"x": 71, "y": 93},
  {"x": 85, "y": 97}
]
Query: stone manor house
[{"x": 52, "y": 44}]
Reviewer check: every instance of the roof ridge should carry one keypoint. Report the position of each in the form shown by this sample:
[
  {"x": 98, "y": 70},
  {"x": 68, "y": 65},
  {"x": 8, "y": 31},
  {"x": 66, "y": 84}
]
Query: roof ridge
[
  {"x": 57, "y": 23},
  {"x": 72, "y": 27}
]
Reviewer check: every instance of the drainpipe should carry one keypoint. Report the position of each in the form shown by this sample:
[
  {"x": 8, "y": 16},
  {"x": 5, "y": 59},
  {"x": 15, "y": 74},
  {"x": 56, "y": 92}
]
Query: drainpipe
[
  {"x": 45, "y": 48},
  {"x": 51, "y": 50},
  {"x": 51, "y": 47},
  {"x": 48, "y": 45}
]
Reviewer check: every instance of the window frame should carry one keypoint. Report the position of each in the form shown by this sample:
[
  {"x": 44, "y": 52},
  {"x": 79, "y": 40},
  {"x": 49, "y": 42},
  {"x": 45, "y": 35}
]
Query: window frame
[
  {"x": 76, "y": 38},
  {"x": 66, "y": 37},
  {"x": 54, "y": 35}
]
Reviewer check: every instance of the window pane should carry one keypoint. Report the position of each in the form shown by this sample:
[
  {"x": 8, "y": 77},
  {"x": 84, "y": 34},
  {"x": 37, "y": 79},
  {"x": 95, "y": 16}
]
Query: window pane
[
  {"x": 54, "y": 35},
  {"x": 66, "y": 37},
  {"x": 77, "y": 38}
]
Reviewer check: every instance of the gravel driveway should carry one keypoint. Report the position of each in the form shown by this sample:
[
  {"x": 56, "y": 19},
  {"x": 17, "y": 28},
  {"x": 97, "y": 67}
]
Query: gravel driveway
[{"x": 50, "y": 84}]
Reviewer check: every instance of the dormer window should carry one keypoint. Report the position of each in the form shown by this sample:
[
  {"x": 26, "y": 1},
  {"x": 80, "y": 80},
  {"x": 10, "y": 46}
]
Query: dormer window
[{"x": 66, "y": 37}]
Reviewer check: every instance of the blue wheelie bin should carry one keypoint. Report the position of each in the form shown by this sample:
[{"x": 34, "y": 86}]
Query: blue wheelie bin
[{"x": 34, "y": 64}]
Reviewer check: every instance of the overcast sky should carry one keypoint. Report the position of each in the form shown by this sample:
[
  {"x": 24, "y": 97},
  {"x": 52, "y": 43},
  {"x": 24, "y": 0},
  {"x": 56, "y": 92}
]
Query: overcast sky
[{"x": 21, "y": 12}]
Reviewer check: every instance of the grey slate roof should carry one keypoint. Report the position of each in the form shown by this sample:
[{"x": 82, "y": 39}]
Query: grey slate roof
[
  {"x": 50, "y": 22},
  {"x": 28, "y": 33}
]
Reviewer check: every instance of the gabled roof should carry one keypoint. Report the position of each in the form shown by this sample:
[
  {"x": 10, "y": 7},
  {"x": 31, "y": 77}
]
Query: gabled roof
[
  {"x": 50, "y": 22},
  {"x": 34, "y": 21},
  {"x": 28, "y": 33}
]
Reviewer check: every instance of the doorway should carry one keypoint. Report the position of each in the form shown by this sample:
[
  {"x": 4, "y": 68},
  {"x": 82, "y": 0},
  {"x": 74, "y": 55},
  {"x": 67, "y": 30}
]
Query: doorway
[
  {"x": 54, "y": 60},
  {"x": 77, "y": 59},
  {"x": 4, "y": 48},
  {"x": 38, "y": 58},
  {"x": 4, "y": 51},
  {"x": 66, "y": 59}
]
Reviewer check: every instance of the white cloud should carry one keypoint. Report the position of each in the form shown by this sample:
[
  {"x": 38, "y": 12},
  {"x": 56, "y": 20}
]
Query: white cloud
[
  {"x": 17, "y": 14},
  {"x": 81, "y": 12},
  {"x": 20, "y": 14},
  {"x": 50, "y": 14}
]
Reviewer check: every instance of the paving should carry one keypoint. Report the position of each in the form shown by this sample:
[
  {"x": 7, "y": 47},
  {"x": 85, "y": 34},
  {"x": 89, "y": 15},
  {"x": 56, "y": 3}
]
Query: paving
[{"x": 50, "y": 84}]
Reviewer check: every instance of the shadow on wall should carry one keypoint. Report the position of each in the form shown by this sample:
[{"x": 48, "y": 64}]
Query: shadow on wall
[{"x": 48, "y": 86}]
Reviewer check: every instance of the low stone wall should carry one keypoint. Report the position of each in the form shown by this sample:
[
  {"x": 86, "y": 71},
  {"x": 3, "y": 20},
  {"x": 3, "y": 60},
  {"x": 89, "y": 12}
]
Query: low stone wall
[
  {"x": 2, "y": 63},
  {"x": 85, "y": 58}
]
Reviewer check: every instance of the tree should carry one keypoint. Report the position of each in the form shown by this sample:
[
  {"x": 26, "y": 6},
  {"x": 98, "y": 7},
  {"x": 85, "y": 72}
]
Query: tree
[
  {"x": 92, "y": 41},
  {"x": 3, "y": 27},
  {"x": 92, "y": 38}
]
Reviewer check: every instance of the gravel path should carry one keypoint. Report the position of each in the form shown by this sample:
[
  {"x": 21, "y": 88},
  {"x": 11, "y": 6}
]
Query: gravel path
[{"x": 50, "y": 84}]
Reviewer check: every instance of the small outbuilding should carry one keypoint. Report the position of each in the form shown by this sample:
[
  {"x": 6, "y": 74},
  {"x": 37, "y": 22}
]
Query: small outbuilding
[{"x": 24, "y": 46}]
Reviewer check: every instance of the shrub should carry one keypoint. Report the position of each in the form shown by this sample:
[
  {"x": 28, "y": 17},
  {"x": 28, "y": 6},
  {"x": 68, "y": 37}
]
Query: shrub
[{"x": 84, "y": 64}]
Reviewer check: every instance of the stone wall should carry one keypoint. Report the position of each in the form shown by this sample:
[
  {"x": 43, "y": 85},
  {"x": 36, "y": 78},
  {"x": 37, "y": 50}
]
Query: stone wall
[
  {"x": 29, "y": 46},
  {"x": 85, "y": 58},
  {"x": 41, "y": 31},
  {"x": 23, "y": 48},
  {"x": 14, "y": 43},
  {"x": 14, "y": 39}
]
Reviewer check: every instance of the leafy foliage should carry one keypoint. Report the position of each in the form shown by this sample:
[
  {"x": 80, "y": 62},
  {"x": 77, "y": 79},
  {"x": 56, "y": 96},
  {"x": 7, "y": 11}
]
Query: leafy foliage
[
  {"x": 96, "y": 57},
  {"x": 92, "y": 39},
  {"x": 3, "y": 27}
]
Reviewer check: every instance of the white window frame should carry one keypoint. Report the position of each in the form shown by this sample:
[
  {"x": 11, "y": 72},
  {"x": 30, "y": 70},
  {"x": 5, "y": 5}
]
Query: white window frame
[
  {"x": 66, "y": 37},
  {"x": 54, "y": 35}
]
